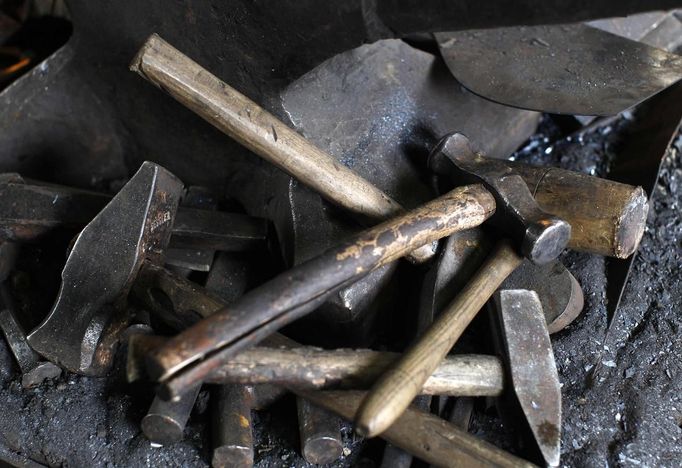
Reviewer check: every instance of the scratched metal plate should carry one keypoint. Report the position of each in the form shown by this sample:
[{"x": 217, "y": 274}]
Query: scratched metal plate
[{"x": 565, "y": 69}]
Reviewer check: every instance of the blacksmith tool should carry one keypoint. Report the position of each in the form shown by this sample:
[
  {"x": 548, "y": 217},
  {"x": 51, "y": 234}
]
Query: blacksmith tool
[
  {"x": 426, "y": 436},
  {"x": 534, "y": 396},
  {"x": 30, "y": 210},
  {"x": 131, "y": 230},
  {"x": 165, "y": 421},
  {"x": 395, "y": 390},
  {"x": 193, "y": 354},
  {"x": 312, "y": 368},
  {"x": 232, "y": 431},
  {"x": 565, "y": 69},
  {"x": 251, "y": 125},
  {"x": 264, "y": 134}
]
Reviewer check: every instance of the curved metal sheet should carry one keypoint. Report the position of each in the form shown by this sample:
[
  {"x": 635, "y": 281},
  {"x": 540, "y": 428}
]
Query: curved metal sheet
[{"x": 566, "y": 69}]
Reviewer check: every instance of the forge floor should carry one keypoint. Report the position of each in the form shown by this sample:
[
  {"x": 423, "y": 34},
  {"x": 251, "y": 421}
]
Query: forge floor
[{"x": 622, "y": 383}]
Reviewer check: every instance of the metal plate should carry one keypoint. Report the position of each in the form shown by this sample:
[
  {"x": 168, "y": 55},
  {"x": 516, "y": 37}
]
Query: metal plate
[{"x": 566, "y": 69}]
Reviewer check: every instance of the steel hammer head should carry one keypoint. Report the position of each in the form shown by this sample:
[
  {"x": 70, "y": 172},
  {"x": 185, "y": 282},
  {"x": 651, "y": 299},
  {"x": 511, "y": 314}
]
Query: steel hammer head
[
  {"x": 541, "y": 236},
  {"x": 135, "y": 226}
]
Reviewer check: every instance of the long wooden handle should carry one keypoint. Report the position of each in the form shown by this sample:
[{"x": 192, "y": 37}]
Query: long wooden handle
[
  {"x": 396, "y": 389},
  {"x": 261, "y": 132},
  {"x": 424, "y": 435}
]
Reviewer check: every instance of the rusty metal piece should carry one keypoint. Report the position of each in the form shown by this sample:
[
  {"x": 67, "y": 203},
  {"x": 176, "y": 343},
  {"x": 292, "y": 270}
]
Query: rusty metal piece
[
  {"x": 560, "y": 293},
  {"x": 541, "y": 237},
  {"x": 319, "y": 433},
  {"x": 133, "y": 228},
  {"x": 425, "y": 436},
  {"x": 195, "y": 353},
  {"x": 232, "y": 435},
  {"x": 567, "y": 69},
  {"x": 532, "y": 370},
  {"x": 165, "y": 421},
  {"x": 28, "y": 211}
]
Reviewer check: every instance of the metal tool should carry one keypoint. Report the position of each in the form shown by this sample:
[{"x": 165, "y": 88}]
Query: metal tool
[
  {"x": 319, "y": 433},
  {"x": 165, "y": 421},
  {"x": 132, "y": 229},
  {"x": 606, "y": 217},
  {"x": 560, "y": 294},
  {"x": 531, "y": 367},
  {"x": 29, "y": 211},
  {"x": 409, "y": 99},
  {"x": 255, "y": 128},
  {"x": 566, "y": 69},
  {"x": 194, "y": 353},
  {"x": 232, "y": 434},
  {"x": 541, "y": 237},
  {"x": 426, "y": 436}
]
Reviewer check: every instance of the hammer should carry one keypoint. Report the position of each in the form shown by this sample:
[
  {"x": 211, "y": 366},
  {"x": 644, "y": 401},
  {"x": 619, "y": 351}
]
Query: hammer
[
  {"x": 29, "y": 210},
  {"x": 133, "y": 229},
  {"x": 541, "y": 236},
  {"x": 306, "y": 368},
  {"x": 393, "y": 392}
]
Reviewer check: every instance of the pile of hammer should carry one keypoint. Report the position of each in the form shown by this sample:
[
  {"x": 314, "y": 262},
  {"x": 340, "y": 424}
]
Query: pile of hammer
[{"x": 488, "y": 244}]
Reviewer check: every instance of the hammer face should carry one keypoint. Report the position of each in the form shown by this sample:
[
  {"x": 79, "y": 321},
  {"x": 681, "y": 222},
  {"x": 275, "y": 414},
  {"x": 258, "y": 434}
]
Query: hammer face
[
  {"x": 540, "y": 236},
  {"x": 135, "y": 226}
]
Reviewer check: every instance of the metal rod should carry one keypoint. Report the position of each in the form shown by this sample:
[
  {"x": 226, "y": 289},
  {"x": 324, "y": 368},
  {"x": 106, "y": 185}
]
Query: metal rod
[
  {"x": 261, "y": 132},
  {"x": 195, "y": 353},
  {"x": 426, "y": 436}
]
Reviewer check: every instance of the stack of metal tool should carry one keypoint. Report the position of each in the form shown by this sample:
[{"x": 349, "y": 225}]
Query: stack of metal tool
[{"x": 199, "y": 293}]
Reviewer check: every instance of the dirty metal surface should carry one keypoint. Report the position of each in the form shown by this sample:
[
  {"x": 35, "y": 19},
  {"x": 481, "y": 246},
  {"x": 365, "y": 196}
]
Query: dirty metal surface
[
  {"x": 531, "y": 367},
  {"x": 566, "y": 69},
  {"x": 136, "y": 227},
  {"x": 377, "y": 109}
]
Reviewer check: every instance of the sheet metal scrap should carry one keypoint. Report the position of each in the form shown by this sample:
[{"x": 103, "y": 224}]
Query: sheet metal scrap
[{"x": 567, "y": 69}]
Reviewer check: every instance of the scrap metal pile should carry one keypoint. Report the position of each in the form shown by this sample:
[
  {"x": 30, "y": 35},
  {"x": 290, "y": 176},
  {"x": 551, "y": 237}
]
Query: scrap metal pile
[{"x": 373, "y": 245}]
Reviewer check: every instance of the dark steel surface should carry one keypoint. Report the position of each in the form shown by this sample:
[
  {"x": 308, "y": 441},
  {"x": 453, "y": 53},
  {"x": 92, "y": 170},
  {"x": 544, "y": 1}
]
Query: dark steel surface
[
  {"x": 638, "y": 162},
  {"x": 559, "y": 292},
  {"x": 377, "y": 109},
  {"x": 566, "y": 69},
  {"x": 232, "y": 435},
  {"x": 165, "y": 421},
  {"x": 532, "y": 370},
  {"x": 539, "y": 236},
  {"x": 29, "y": 212},
  {"x": 195, "y": 353},
  {"x": 134, "y": 227},
  {"x": 319, "y": 432}
]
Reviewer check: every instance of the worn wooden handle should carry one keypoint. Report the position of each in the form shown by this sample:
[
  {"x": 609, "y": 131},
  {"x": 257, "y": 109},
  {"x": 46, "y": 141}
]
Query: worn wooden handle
[
  {"x": 261, "y": 132},
  {"x": 196, "y": 352},
  {"x": 606, "y": 217},
  {"x": 396, "y": 389},
  {"x": 424, "y": 435}
]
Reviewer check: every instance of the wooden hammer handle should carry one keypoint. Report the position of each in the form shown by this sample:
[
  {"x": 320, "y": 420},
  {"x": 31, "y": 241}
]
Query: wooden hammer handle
[
  {"x": 396, "y": 389},
  {"x": 261, "y": 132}
]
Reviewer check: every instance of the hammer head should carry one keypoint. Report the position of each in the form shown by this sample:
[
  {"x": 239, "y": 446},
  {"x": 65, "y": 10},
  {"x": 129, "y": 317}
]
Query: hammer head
[
  {"x": 533, "y": 374},
  {"x": 135, "y": 226},
  {"x": 541, "y": 236}
]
